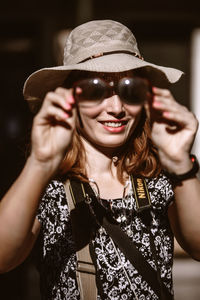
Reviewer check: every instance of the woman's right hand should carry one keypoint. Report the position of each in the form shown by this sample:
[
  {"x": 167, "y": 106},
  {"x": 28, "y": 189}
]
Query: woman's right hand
[
  {"x": 53, "y": 129},
  {"x": 51, "y": 135}
]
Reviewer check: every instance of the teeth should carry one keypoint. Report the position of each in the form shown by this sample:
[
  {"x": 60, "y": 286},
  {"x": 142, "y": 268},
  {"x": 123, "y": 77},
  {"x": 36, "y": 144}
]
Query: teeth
[{"x": 112, "y": 124}]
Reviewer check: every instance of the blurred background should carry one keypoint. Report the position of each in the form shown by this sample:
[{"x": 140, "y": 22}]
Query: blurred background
[{"x": 31, "y": 33}]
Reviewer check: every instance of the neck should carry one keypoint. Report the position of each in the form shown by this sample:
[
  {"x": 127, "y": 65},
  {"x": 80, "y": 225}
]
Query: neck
[
  {"x": 101, "y": 168},
  {"x": 99, "y": 160}
]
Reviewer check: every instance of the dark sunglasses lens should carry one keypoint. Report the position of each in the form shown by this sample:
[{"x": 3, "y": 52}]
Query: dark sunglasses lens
[
  {"x": 91, "y": 89},
  {"x": 133, "y": 90}
]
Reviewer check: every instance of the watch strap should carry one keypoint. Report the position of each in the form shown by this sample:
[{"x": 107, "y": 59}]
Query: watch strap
[{"x": 178, "y": 178}]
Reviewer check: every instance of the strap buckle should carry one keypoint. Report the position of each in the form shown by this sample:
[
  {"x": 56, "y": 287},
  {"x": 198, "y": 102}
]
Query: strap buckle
[{"x": 85, "y": 267}]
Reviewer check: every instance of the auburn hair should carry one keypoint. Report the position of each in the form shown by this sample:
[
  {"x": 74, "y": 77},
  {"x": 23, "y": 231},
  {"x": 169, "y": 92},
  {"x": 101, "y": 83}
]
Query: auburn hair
[{"x": 138, "y": 156}]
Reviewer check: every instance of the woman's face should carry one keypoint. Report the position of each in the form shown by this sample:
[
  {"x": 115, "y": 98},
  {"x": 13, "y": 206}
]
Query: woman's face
[{"x": 110, "y": 122}]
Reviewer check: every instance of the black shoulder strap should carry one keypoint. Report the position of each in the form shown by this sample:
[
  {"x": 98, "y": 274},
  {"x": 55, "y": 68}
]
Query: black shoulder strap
[{"x": 85, "y": 192}]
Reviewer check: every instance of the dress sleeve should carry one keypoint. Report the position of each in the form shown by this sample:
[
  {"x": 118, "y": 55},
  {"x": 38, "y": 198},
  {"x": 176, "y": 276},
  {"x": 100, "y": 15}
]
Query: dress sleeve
[
  {"x": 42, "y": 209},
  {"x": 161, "y": 192},
  {"x": 53, "y": 199}
]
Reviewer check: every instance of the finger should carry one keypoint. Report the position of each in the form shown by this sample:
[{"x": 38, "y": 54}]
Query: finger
[
  {"x": 171, "y": 109},
  {"x": 166, "y": 102},
  {"x": 174, "y": 112},
  {"x": 54, "y": 113},
  {"x": 59, "y": 99},
  {"x": 78, "y": 90},
  {"x": 185, "y": 118},
  {"x": 160, "y": 103},
  {"x": 66, "y": 93},
  {"x": 161, "y": 92},
  {"x": 161, "y": 96},
  {"x": 165, "y": 108}
]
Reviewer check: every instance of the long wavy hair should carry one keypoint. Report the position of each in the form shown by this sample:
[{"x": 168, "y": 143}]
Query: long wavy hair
[{"x": 138, "y": 156}]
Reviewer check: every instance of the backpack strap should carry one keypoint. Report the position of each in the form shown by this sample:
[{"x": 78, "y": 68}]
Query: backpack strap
[{"x": 85, "y": 271}]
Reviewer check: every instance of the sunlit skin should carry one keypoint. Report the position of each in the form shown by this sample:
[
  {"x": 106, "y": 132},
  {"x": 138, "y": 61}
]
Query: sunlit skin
[
  {"x": 110, "y": 123},
  {"x": 99, "y": 122},
  {"x": 52, "y": 134}
]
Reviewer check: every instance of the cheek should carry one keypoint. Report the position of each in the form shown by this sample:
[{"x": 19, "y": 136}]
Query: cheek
[
  {"x": 86, "y": 118},
  {"x": 90, "y": 113},
  {"x": 133, "y": 110}
]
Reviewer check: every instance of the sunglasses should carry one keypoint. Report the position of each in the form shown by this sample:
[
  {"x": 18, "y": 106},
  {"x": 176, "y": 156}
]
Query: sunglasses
[{"x": 92, "y": 91}]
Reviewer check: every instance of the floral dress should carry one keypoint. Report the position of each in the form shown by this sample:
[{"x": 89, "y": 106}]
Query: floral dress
[{"x": 119, "y": 279}]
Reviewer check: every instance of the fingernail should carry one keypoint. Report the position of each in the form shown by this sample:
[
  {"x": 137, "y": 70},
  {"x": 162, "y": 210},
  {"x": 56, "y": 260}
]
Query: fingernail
[
  {"x": 78, "y": 90},
  {"x": 67, "y": 105},
  {"x": 154, "y": 89},
  {"x": 70, "y": 99},
  {"x": 156, "y": 103},
  {"x": 65, "y": 115},
  {"x": 166, "y": 114}
]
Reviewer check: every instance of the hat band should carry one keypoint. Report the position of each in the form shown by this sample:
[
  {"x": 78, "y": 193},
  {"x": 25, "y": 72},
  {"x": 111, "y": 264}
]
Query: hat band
[{"x": 112, "y": 52}]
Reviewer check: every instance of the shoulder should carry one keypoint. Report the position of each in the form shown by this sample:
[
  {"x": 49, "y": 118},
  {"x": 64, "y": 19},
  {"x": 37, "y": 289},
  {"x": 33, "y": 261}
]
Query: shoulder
[
  {"x": 53, "y": 201},
  {"x": 55, "y": 193},
  {"x": 54, "y": 188}
]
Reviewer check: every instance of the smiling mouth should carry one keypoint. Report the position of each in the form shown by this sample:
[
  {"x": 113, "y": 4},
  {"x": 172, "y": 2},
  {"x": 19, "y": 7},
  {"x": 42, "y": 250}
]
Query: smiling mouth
[{"x": 114, "y": 124}]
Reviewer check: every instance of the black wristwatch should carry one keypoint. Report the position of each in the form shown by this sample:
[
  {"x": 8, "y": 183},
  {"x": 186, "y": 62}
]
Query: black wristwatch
[{"x": 178, "y": 178}]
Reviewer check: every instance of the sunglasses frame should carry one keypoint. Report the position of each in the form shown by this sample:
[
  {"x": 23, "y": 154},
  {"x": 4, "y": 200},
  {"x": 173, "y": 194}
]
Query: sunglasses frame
[{"x": 111, "y": 88}]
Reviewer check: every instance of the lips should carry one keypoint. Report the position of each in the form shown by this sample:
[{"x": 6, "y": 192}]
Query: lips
[{"x": 114, "y": 124}]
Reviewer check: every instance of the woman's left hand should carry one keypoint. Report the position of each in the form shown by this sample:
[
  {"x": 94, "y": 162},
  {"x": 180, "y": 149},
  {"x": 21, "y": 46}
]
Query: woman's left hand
[{"x": 173, "y": 130}]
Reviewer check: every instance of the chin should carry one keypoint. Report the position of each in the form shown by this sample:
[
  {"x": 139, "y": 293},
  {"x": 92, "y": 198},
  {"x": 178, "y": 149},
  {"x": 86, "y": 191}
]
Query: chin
[{"x": 111, "y": 144}]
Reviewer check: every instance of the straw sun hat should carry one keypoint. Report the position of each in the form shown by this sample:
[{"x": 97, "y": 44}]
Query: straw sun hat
[{"x": 100, "y": 46}]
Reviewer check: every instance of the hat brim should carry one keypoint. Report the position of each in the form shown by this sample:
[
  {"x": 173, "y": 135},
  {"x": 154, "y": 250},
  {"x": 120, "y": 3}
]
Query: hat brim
[{"x": 48, "y": 79}]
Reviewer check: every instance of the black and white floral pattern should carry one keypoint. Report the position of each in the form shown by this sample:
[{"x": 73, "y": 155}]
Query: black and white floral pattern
[{"x": 120, "y": 280}]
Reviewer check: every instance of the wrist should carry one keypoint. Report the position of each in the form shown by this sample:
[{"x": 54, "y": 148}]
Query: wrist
[
  {"x": 188, "y": 171},
  {"x": 180, "y": 166},
  {"x": 41, "y": 169}
]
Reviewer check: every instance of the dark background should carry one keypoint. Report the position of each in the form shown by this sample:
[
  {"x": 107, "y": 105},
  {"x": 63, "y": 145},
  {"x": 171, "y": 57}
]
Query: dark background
[{"x": 27, "y": 30}]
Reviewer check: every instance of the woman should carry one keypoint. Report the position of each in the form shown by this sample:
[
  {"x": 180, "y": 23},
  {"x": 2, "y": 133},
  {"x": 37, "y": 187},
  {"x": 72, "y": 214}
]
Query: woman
[{"x": 106, "y": 118}]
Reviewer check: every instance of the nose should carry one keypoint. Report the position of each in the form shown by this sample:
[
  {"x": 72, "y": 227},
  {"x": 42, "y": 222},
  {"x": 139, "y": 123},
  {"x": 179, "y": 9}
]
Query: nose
[{"x": 114, "y": 106}]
